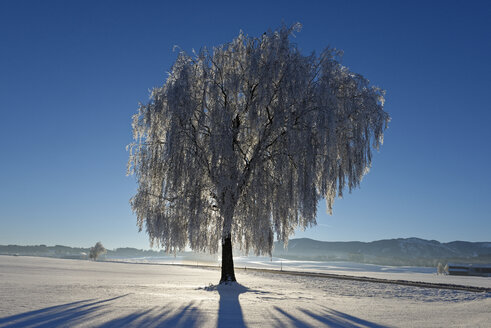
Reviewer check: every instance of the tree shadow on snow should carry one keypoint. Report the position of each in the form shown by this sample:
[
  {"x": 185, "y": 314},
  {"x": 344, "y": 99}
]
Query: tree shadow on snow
[
  {"x": 88, "y": 312},
  {"x": 229, "y": 309},
  {"x": 166, "y": 316},
  {"x": 324, "y": 318},
  {"x": 59, "y": 315}
]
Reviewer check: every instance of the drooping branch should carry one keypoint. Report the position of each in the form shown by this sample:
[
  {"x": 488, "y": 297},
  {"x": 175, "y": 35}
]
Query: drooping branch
[{"x": 246, "y": 138}]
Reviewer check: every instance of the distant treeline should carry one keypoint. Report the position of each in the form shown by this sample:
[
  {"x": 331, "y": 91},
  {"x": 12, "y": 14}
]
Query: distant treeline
[
  {"x": 61, "y": 251},
  {"x": 402, "y": 251}
]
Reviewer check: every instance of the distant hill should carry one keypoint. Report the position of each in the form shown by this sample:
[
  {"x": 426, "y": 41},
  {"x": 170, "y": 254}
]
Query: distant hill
[
  {"x": 74, "y": 252},
  {"x": 401, "y": 251}
]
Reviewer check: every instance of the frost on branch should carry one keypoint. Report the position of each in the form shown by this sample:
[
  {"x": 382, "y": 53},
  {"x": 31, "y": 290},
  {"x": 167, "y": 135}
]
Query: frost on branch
[{"x": 245, "y": 139}]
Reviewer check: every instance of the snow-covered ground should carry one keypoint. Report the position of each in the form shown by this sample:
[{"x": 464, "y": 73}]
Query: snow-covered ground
[
  {"x": 45, "y": 292},
  {"x": 423, "y": 274}
]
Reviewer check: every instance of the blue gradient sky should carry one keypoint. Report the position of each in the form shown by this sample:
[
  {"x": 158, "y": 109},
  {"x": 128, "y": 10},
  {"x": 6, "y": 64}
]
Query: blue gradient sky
[{"x": 73, "y": 72}]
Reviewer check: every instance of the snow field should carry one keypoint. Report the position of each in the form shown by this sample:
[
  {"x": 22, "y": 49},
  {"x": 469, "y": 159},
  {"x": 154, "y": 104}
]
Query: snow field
[
  {"x": 409, "y": 273},
  {"x": 45, "y": 292}
]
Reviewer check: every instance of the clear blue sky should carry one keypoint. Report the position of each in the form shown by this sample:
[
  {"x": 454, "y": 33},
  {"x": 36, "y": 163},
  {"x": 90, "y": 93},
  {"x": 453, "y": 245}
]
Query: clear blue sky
[{"x": 73, "y": 72}]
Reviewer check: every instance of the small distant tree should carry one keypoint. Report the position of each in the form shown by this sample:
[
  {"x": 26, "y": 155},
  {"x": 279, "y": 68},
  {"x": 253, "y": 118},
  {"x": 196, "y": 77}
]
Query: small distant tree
[
  {"x": 242, "y": 142},
  {"x": 445, "y": 269},
  {"x": 96, "y": 251},
  {"x": 440, "y": 269}
]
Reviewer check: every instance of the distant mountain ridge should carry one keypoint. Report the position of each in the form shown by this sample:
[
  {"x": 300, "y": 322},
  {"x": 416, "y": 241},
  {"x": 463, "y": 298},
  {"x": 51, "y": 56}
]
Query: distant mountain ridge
[{"x": 400, "y": 251}]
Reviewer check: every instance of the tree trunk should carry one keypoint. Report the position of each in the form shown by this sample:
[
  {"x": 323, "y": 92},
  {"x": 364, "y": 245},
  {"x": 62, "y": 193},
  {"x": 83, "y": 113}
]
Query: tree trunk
[{"x": 228, "y": 274}]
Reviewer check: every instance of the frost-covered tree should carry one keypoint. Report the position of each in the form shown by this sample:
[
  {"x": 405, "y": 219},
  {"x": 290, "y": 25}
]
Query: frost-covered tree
[
  {"x": 439, "y": 268},
  {"x": 97, "y": 251},
  {"x": 445, "y": 269},
  {"x": 241, "y": 142}
]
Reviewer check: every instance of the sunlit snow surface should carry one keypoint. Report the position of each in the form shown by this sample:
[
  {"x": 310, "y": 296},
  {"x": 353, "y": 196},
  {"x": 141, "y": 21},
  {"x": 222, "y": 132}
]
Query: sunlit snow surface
[
  {"x": 423, "y": 274},
  {"x": 44, "y": 292}
]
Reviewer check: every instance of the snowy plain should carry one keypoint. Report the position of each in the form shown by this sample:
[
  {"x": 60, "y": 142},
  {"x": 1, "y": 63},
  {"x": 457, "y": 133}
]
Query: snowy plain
[
  {"x": 46, "y": 292},
  {"x": 408, "y": 273}
]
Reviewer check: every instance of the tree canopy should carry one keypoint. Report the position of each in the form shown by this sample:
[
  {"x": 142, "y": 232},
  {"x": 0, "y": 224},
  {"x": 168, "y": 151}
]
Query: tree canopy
[
  {"x": 97, "y": 251},
  {"x": 243, "y": 141}
]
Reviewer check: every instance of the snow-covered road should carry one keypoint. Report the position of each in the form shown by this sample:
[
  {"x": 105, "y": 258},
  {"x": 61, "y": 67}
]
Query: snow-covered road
[{"x": 45, "y": 292}]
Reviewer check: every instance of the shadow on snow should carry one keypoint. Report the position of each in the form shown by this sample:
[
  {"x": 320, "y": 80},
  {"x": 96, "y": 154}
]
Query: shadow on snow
[
  {"x": 86, "y": 311},
  {"x": 229, "y": 314},
  {"x": 53, "y": 316},
  {"x": 229, "y": 309},
  {"x": 325, "y": 318}
]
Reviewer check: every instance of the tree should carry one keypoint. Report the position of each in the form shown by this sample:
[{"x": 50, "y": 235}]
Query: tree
[
  {"x": 445, "y": 269},
  {"x": 440, "y": 268},
  {"x": 96, "y": 251},
  {"x": 241, "y": 143}
]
